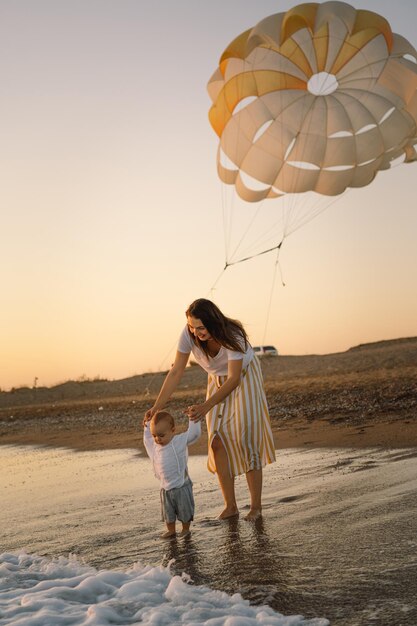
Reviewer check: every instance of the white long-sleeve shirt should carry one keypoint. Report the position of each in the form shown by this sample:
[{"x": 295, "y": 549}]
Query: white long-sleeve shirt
[{"x": 170, "y": 460}]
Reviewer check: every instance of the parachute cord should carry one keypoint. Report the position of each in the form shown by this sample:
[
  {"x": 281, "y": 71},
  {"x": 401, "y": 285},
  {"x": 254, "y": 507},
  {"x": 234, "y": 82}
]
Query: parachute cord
[
  {"x": 247, "y": 230},
  {"x": 225, "y": 224},
  {"x": 245, "y": 233},
  {"x": 317, "y": 209},
  {"x": 212, "y": 288},
  {"x": 274, "y": 276},
  {"x": 280, "y": 274},
  {"x": 247, "y": 258},
  {"x": 147, "y": 391}
]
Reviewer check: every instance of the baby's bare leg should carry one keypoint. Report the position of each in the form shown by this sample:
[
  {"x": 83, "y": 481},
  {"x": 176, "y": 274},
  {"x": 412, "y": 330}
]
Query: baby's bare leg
[{"x": 170, "y": 531}]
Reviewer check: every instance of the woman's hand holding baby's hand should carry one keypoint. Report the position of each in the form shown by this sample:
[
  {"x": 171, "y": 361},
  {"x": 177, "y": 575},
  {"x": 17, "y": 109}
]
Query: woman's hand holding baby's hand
[
  {"x": 148, "y": 416},
  {"x": 196, "y": 412}
]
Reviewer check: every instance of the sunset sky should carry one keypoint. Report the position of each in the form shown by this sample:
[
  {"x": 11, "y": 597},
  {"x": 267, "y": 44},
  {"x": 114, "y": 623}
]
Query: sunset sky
[{"x": 112, "y": 210}]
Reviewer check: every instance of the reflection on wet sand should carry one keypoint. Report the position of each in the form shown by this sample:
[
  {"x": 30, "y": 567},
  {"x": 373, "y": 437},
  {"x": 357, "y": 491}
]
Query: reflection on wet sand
[
  {"x": 242, "y": 558},
  {"x": 337, "y": 540}
]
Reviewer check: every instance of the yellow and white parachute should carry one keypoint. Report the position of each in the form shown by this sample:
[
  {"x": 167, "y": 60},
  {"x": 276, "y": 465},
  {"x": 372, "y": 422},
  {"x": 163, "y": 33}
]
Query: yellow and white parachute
[{"x": 317, "y": 99}]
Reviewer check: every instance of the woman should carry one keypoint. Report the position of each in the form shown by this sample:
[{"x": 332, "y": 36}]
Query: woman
[{"x": 238, "y": 425}]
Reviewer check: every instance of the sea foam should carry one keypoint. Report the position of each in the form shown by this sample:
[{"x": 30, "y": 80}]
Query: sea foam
[{"x": 38, "y": 591}]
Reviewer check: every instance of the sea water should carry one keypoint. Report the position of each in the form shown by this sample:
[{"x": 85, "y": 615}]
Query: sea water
[
  {"x": 62, "y": 504},
  {"x": 80, "y": 542},
  {"x": 38, "y": 591}
]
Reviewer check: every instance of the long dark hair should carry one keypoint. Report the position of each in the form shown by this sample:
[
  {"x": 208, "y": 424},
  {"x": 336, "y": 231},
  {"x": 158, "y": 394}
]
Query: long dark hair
[{"x": 227, "y": 332}]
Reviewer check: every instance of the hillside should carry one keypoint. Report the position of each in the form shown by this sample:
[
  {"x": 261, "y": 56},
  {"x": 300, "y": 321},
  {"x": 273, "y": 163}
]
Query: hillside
[
  {"x": 367, "y": 384},
  {"x": 396, "y": 354}
]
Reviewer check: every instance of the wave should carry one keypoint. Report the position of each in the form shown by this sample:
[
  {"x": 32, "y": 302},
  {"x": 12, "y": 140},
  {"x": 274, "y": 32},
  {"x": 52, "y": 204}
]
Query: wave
[{"x": 40, "y": 591}]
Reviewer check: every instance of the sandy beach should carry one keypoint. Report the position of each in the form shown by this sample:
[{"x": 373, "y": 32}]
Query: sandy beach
[
  {"x": 338, "y": 535},
  {"x": 364, "y": 397}
]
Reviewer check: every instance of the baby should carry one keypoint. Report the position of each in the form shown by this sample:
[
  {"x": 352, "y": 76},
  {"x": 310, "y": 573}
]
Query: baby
[{"x": 169, "y": 453}]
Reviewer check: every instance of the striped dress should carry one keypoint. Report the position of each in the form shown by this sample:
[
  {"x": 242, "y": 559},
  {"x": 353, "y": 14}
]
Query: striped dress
[{"x": 242, "y": 422}]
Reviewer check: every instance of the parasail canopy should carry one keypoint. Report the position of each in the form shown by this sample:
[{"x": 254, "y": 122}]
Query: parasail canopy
[{"x": 319, "y": 98}]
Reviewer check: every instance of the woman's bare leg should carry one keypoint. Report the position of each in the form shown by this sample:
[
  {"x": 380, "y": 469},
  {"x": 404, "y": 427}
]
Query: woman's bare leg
[
  {"x": 254, "y": 480},
  {"x": 227, "y": 482}
]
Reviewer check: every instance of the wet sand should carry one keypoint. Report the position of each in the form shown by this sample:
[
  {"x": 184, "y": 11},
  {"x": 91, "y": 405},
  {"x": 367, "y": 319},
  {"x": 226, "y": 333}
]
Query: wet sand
[{"x": 337, "y": 539}]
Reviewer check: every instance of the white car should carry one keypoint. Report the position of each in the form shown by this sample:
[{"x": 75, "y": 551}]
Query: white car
[{"x": 265, "y": 350}]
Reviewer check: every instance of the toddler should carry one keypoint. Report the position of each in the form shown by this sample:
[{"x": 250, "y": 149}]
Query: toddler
[{"x": 169, "y": 453}]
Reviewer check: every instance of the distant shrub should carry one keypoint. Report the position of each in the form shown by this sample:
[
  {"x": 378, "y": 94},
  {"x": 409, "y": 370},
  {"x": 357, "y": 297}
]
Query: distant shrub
[{"x": 86, "y": 379}]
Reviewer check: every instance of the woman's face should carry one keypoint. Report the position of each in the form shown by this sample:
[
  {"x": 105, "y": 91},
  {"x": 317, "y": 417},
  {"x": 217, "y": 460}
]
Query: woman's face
[{"x": 198, "y": 329}]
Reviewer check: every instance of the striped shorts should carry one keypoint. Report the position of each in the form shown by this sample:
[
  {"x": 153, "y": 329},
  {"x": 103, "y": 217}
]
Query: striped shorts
[
  {"x": 242, "y": 422},
  {"x": 178, "y": 503}
]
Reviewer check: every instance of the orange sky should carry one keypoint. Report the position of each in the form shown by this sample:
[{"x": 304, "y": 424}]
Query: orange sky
[{"x": 112, "y": 210}]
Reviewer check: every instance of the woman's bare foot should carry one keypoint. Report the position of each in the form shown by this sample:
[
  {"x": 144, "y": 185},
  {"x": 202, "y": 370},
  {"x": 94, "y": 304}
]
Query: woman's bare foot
[
  {"x": 253, "y": 515},
  {"x": 186, "y": 532},
  {"x": 229, "y": 511},
  {"x": 169, "y": 534}
]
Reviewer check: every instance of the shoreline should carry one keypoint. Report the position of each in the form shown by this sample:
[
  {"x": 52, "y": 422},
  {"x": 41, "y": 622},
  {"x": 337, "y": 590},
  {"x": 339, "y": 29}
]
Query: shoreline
[{"x": 294, "y": 433}]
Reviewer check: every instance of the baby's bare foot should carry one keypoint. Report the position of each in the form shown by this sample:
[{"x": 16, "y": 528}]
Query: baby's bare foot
[
  {"x": 253, "y": 515},
  {"x": 168, "y": 534},
  {"x": 228, "y": 512}
]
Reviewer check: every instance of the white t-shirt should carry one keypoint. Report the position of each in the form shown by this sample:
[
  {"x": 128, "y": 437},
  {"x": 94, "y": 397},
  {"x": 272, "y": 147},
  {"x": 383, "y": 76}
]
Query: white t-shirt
[
  {"x": 170, "y": 461},
  {"x": 216, "y": 365}
]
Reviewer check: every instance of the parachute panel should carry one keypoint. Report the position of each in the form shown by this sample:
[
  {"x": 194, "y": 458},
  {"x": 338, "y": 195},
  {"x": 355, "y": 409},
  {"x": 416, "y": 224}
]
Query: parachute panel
[{"x": 333, "y": 98}]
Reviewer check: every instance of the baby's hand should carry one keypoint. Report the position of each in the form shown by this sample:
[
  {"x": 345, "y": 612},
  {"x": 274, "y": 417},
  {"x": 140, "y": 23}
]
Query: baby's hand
[
  {"x": 148, "y": 416},
  {"x": 196, "y": 412}
]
